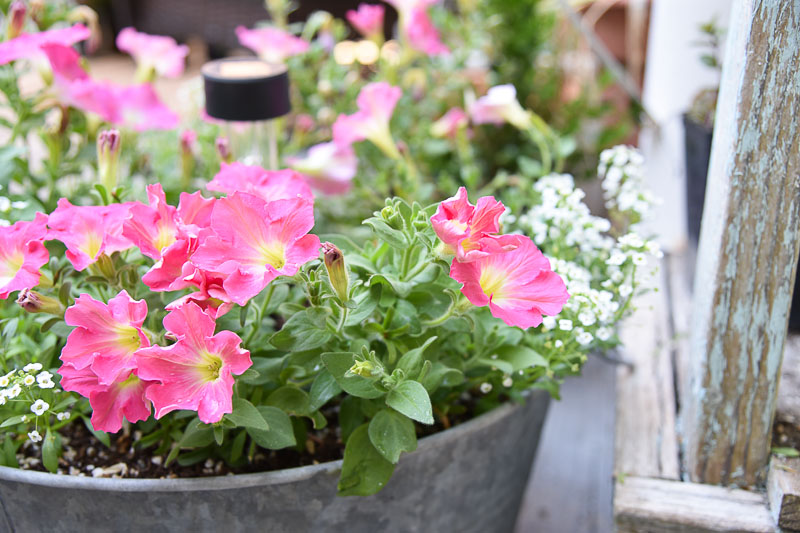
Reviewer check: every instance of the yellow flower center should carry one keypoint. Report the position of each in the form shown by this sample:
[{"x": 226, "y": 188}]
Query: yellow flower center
[
  {"x": 274, "y": 254},
  {"x": 491, "y": 281},
  {"x": 209, "y": 366},
  {"x": 165, "y": 237},
  {"x": 92, "y": 245},
  {"x": 10, "y": 267},
  {"x": 128, "y": 338}
]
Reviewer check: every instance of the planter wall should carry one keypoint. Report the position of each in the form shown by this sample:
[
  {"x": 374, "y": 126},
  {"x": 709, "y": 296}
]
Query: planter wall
[{"x": 468, "y": 479}]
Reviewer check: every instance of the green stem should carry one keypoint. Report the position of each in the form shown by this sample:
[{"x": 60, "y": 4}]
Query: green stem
[
  {"x": 342, "y": 319},
  {"x": 437, "y": 321},
  {"x": 260, "y": 312}
]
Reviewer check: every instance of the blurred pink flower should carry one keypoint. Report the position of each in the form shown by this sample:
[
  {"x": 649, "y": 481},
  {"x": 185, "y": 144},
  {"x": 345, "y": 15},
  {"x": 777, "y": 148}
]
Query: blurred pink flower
[
  {"x": 88, "y": 231},
  {"x": 517, "y": 285},
  {"x": 106, "y": 335},
  {"x": 154, "y": 52},
  {"x": 367, "y": 20},
  {"x": 22, "y": 254},
  {"x": 152, "y": 228},
  {"x": 271, "y": 44},
  {"x": 268, "y": 184},
  {"x": 499, "y": 106},
  {"x": 330, "y": 168},
  {"x": 140, "y": 109},
  {"x": 450, "y": 123},
  {"x": 376, "y": 103},
  {"x": 28, "y": 45},
  {"x": 417, "y": 27},
  {"x": 462, "y": 226},
  {"x": 255, "y": 241},
  {"x": 110, "y": 402},
  {"x": 196, "y": 372},
  {"x": 16, "y": 19}
]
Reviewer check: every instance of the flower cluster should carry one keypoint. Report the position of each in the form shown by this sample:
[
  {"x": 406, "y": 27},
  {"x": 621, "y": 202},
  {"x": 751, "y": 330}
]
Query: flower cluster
[
  {"x": 506, "y": 272},
  {"x": 621, "y": 169},
  {"x": 35, "y": 388}
]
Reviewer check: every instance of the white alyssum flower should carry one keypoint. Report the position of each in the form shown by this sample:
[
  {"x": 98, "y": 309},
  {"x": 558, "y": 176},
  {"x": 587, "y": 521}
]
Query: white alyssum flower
[
  {"x": 558, "y": 344},
  {"x": 587, "y": 318},
  {"x": 6, "y": 380},
  {"x": 14, "y": 391},
  {"x": 34, "y": 436},
  {"x": 4, "y": 222},
  {"x": 32, "y": 367},
  {"x": 28, "y": 380},
  {"x": 39, "y": 407},
  {"x": 20, "y": 204},
  {"x": 584, "y": 338},
  {"x": 549, "y": 322},
  {"x": 508, "y": 382},
  {"x": 625, "y": 290},
  {"x": 63, "y": 416},
  {"x": 486, "y": 388},
  {"x": 603, "y": 333},
  {"x": 565, "y": 324}
]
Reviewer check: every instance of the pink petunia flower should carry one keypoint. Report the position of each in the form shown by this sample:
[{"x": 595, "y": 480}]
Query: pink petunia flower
[
  {"x": 268, "y": 184},
  {"x": 450, "y": 123},
  {"x": 106, "y": 335},
  {"x": 254, "y": 242},
  {"x": 417, "y": 27},
  {"x": 330, "y": 168},
  {"x": 367, "y": 20},
  {"x": 22, "y": 254},
  {"x": 210, "y": 296},
  {"x": 28, "y": 45},
  {"x": 156, "y": 53},
  {"x": 499, "y": 106},
  {"x": 376, "y": 103},
  {"x": 140, "y": 109},
  {"x": 152, "y": 228},
  {"x": 273, "y": 45},
  {"x": 462, "y": 226},
  {"x": 88, "y": 231},
  {"x": 518, "y": 285},
  {"x": 196, "y": 372},
  {"x": 110, "y": 402}
]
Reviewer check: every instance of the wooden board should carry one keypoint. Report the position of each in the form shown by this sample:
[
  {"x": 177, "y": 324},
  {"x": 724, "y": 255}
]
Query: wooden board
[
  {"x": 646, "y": 440},
  {"x": 783, "y": 491},
  {"x": 644, "y": 505}
]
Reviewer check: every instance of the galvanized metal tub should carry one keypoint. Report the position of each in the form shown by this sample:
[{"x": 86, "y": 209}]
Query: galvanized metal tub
[{"x": 467, "y": 479}]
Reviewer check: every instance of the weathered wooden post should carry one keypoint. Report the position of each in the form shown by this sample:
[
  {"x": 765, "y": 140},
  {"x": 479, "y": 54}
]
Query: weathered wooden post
[{"x": 748, "y": 248}]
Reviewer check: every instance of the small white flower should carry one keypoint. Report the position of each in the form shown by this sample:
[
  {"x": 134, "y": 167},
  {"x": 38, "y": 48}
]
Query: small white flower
[
  {"x": 5, "y": 204},
  {"x": 584, "y": 338},
  {"x": 63, "y": 416},
  {"x": 565, "y": 324},
  {"x": 508, "y": 382},
  {"x": 549, "y": 322},
  {"x": 4, "y": 222},
  {"x": 39, "y": 407},
  {"x": 24, "y": 418},
  {"x": 604, "y": 333},
  {"x": 4, "y": 381},
  {"x": 486, "y": 388},
  {"x": 3, "y": 399},
  {"x": 14, "y": 391},
  {"x": 617, "y": 276},
  {"x": 587, "y": 318},
  {"x": 46, "y": 383},
  {"x": 616, "y": 259},
  {"x": 34, "y": 436},
  {"x": 625, "y": 290},
  {"x": 558, "y": 344},
  {"x": 19, "y": 204},
  {"x": 32, "y": 367},
  {"x": 639, "y": 259},
  {"x": 28, "y": 380}
]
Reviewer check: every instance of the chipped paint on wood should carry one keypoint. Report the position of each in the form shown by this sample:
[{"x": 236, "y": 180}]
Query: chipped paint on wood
[{"x": 748, "y": 248}]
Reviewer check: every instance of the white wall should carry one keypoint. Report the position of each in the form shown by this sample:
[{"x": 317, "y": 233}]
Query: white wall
[{"x": 673, "y": 76}]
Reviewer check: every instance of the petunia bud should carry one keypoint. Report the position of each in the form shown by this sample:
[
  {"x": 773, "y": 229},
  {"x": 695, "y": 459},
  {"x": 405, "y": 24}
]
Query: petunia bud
[
  {"x": 35, "y": 302},
  {"x": 108, "y": 149},
  {"x": 16, "y": 19},
  {"x": 365, "y": 369},
  {"x": 224, "y": 149},
  {"x": 337, "y": 272}
]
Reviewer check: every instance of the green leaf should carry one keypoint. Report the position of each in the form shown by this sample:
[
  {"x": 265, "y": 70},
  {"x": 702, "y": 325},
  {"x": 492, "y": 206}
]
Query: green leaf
[
  {"x": 280, "y": 433},
  {"x": 350, "y": 416},
  {"x": 411, "y": 399},
  {"x": 219, "y": 434},
  {"x": 786, "y": 452},
  {"x": 394, "y": 238},
  {"x": 365, "y": 303},
  {"x": 500, "y": 364},
  {"x": 10, "y": 451},
  {"x": 290, "y": 400},
  {"x": 11, "y": 421},
  {"x": 51, "y": 448},
  {"x": 323, "y": 389},
  {"x": 338, "y": 363},
  {"x": 392, "y": 433},
  {"x": 402, "y": 288},
  {"x": 411, "y": 362},
  {"x": 64, "y": 293},
  {"x": 238, "y": 446},
  {"x": 246, "y": 415},
  {"x": 102, "y": 436},
  {"x": 196, "y": 435},
  {"x": 520, "y": 357},
  {"x": 364, "y": 470},
  {"x": 50, "y": 323},
  {"x": 300, "y": 333},
  {"x": 442, "y": 375}
]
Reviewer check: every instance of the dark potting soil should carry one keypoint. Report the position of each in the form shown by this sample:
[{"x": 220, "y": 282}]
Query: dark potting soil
[{"x": 85, "y": 455}]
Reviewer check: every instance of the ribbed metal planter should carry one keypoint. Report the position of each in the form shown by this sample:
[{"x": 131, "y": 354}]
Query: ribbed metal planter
[{"x": 467, "y": 479}]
